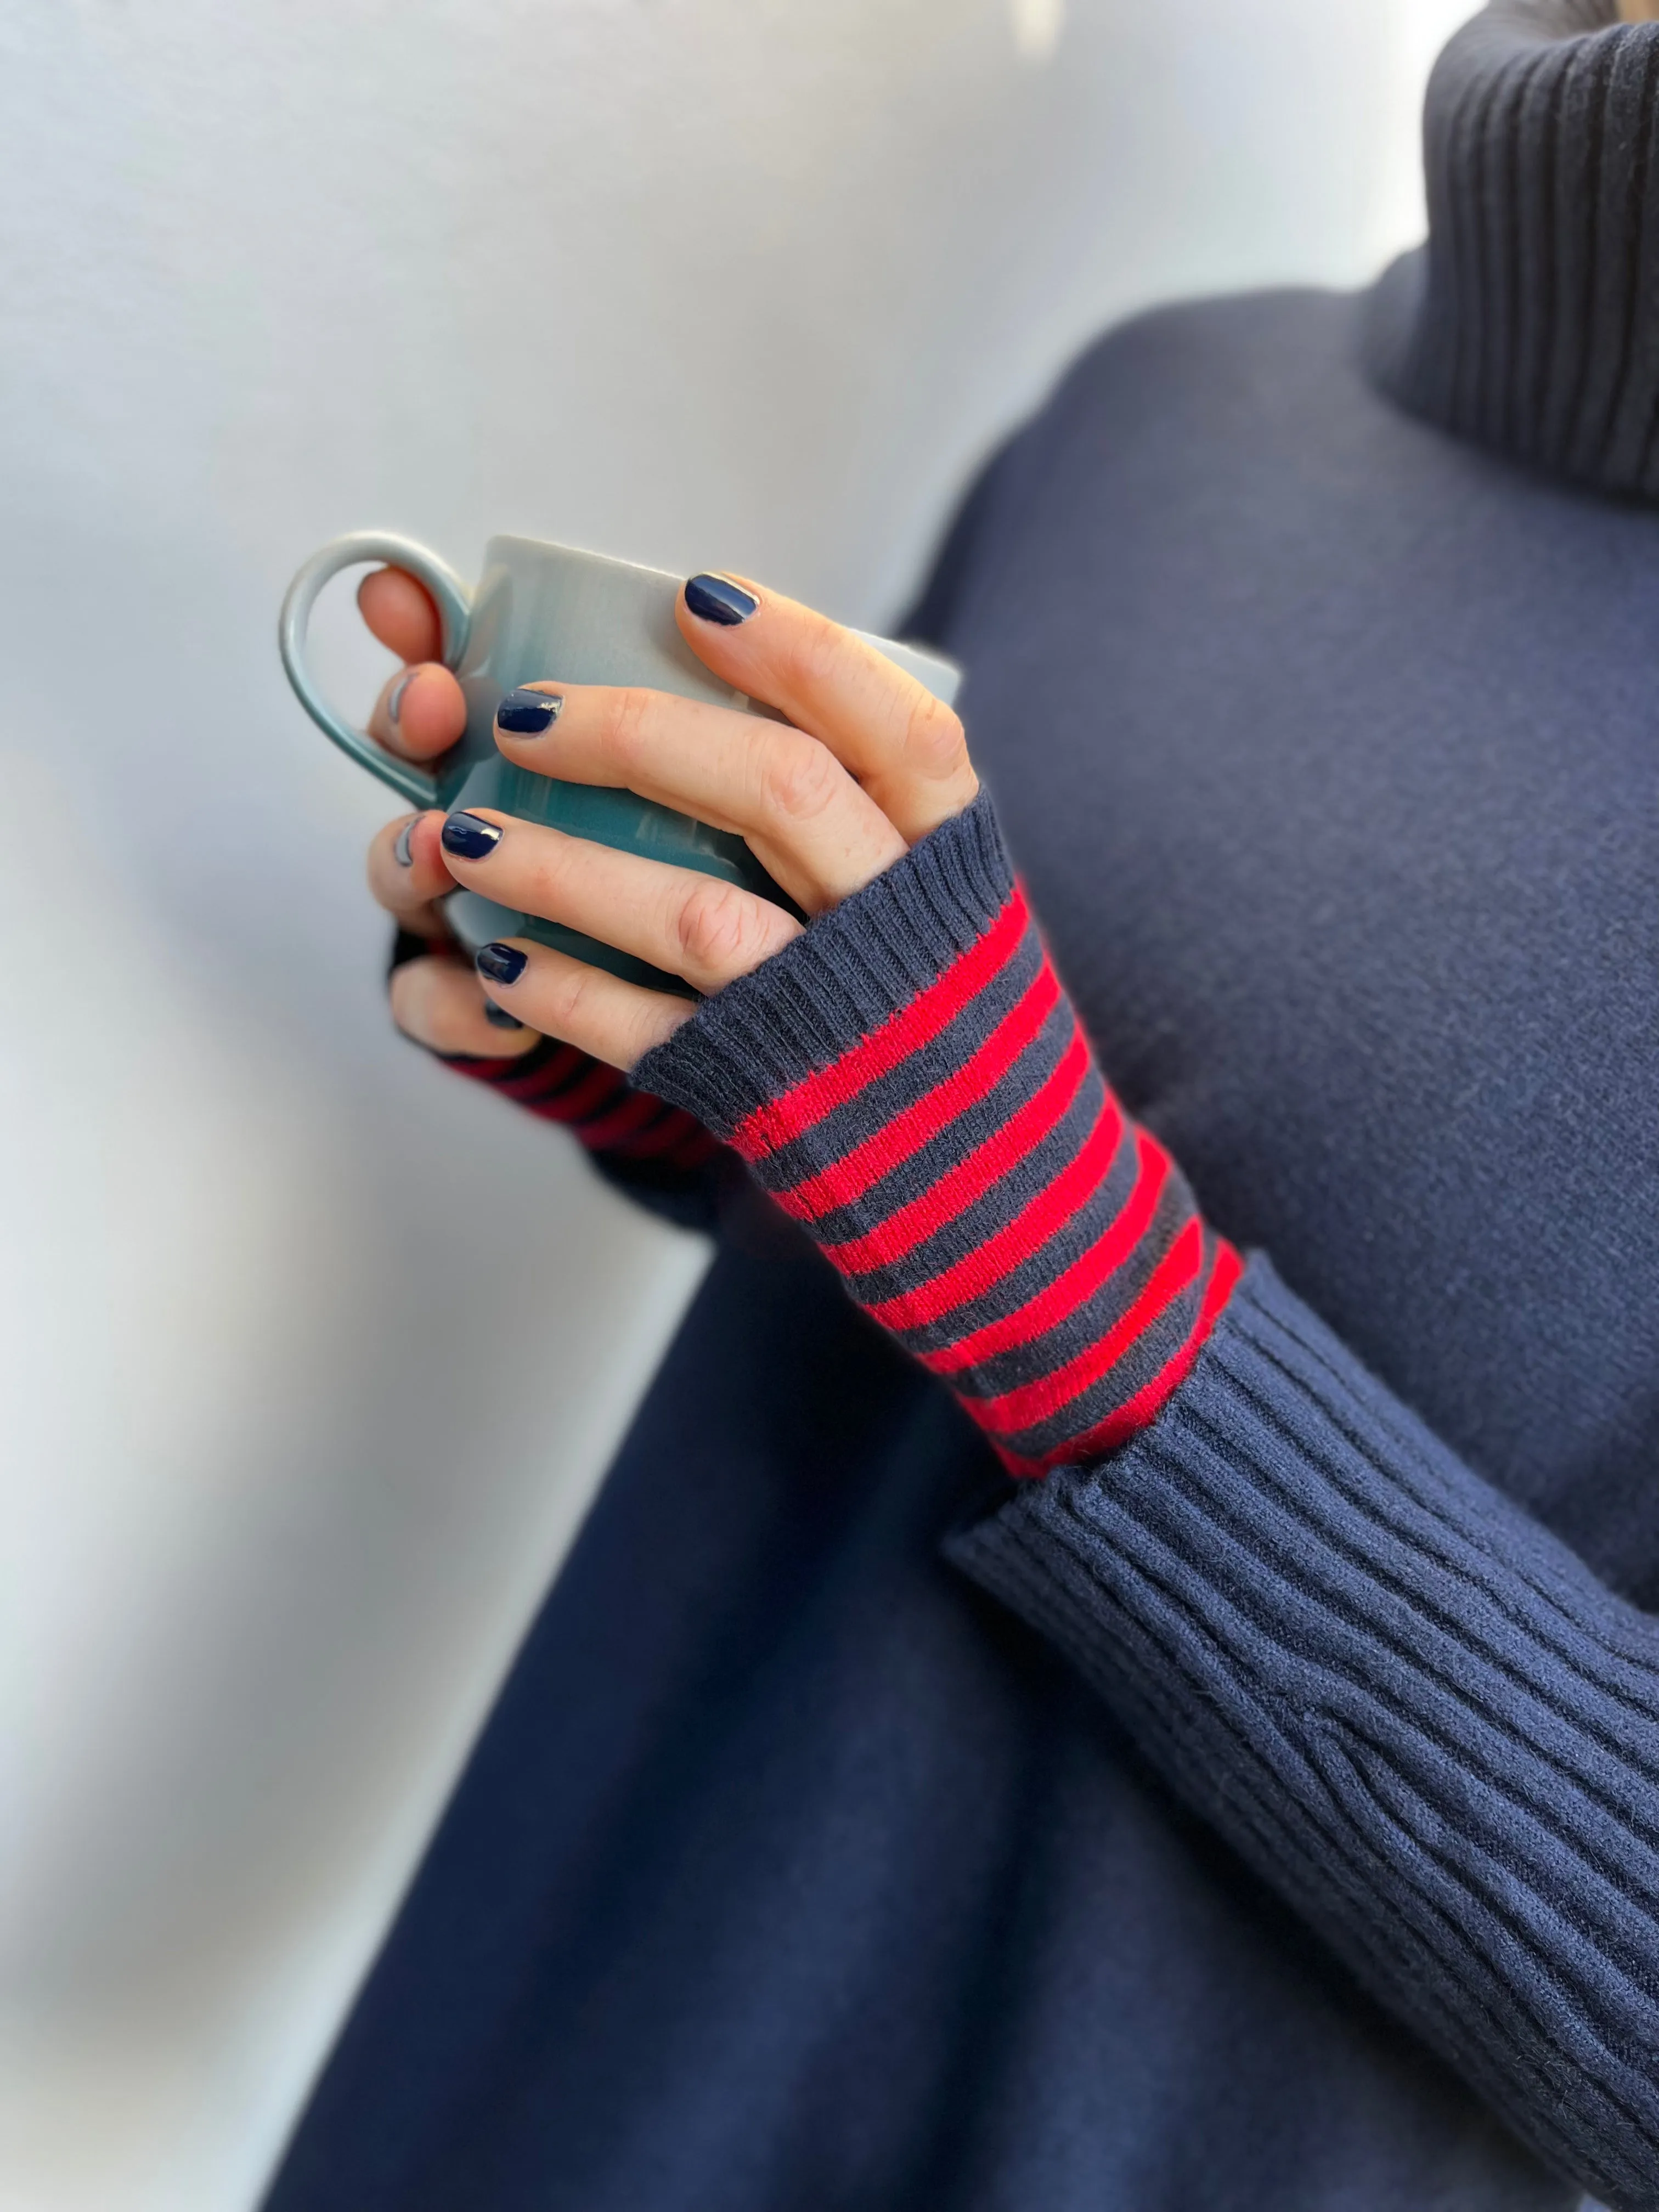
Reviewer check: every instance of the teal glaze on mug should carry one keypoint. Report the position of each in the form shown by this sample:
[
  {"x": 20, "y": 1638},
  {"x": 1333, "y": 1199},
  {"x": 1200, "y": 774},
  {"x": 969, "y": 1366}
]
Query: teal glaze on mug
[{"x": 547, "y": 612}]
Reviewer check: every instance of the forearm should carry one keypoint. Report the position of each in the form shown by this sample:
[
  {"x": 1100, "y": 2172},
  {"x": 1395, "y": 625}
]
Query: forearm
[
  {"x": 1416, "y": 1714},
  {"x": 1411, "y": 1709}
]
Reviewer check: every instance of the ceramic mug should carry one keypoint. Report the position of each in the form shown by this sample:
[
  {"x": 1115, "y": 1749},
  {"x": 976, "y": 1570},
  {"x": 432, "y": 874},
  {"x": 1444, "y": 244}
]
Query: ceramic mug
[{"x": 547, "y": 612}]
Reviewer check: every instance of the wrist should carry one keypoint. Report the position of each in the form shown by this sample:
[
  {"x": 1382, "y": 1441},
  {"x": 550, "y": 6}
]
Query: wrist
[{"x": 909, "y": 1081}]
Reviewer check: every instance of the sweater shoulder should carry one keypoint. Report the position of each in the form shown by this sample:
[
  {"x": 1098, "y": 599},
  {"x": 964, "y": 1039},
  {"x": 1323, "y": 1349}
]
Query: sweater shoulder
[
  {"x": 1174, "y": 396},
  {"x": 1237, "y": 355}
]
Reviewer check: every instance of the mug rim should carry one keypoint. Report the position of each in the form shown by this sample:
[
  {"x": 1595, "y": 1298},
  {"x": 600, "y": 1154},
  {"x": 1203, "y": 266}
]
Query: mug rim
[{"x": 511, "y": 537}]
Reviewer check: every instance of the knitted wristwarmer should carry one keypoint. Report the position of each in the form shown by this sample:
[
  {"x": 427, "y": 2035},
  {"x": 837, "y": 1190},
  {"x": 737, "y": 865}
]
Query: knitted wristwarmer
[
  {"x": 598, "y": 1105},
  {"x": 909, "y": 1080}
]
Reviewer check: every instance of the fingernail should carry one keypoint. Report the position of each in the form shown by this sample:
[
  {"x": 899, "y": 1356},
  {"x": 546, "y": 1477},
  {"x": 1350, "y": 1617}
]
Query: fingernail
[
  {"x": 498, "y": 1017},
  {"x": 499, "y": 963},
  {"x": 394, "y": 704},
  {"x": 468, "y": 837},
  {"x": 403, "y": 851},
  {"x": 528, "y": 713},
  {"x": 717, "y": 599}
]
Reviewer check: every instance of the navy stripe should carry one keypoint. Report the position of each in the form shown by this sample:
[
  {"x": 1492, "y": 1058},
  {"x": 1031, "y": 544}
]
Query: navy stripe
[{"x": 975, "y": 1178}]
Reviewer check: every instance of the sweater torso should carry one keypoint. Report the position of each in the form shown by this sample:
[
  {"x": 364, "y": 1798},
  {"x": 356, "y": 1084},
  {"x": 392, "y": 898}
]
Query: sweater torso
[
  {"x": 790, "y": 1869},
  {"x": 1329, "y": 747}
]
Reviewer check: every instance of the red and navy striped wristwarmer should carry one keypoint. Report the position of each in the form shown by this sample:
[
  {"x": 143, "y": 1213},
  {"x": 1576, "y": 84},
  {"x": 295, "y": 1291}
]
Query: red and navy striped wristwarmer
[
  {"x": 908, "y": 1079},
  {"x": 598, "y": 1105}
]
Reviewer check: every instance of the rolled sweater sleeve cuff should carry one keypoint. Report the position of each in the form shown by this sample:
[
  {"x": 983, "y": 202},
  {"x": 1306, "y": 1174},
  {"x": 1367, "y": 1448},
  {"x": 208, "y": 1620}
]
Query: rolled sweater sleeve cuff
[{"x": 1415, "y": 1712}]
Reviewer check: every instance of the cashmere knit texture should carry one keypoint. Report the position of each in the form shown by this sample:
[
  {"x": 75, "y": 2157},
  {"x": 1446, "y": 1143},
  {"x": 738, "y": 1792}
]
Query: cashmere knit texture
[
  {"x": 909, "y": 1080},
  {"x": 1524, "y": 324},
  {"x": 1416, "y": 1713},
  {"x": 792, "y": 1868}
]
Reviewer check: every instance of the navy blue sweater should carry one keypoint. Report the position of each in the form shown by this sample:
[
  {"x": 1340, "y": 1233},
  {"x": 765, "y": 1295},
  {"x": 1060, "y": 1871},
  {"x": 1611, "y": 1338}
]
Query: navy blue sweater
[{"x": 1265, "y": 1817}]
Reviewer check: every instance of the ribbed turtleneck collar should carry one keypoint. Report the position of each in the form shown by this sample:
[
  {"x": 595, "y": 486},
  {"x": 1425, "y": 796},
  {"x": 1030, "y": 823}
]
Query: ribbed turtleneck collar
[{"x": 1530, "y": 321}]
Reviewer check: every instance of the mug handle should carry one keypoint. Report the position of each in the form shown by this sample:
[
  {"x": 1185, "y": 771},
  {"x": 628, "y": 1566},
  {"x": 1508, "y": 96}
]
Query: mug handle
[{"x": 454, "y": 603}]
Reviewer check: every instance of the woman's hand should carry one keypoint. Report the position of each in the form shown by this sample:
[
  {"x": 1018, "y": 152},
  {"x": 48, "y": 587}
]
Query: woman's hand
[
  {"x": 867, "y": 763},
  {"x": 909, "y": 1080},
  {"x": 436, "y": 998}
]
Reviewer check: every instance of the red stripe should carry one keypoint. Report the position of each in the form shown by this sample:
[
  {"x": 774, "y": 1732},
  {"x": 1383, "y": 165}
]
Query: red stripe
[
  {"x": 606, "y": 1130},
  {"x": 537, "y": 1082},
  {"x": 1058, "y": 1300},
  {"x": 1139, "y": 1412},
  {"x": 591, "y": 1093},
  {"x": 982, "y": 1269},
  {"x": 1041, "y": 1398},
  {"x": 849, "y": 1178},
  {"x": 781, "y": 1121},
  {"x": 971, "y": 1178}
]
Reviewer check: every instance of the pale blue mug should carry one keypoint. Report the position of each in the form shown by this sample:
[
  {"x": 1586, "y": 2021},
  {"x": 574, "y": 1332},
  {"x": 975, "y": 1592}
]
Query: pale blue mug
[{"x": 546, "y": 612}]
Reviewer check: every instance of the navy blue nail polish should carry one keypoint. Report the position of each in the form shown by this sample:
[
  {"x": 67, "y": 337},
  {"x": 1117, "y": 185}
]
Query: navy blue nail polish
[
  {"x": 499, "y": 1018},
  {"x": 716, "y": 599},
  {"x": 528, "y": 713},
  {"x": 403, "y": 851},
  {"x": 469, "y": 837},
  {"x": 394, "y": 704},
  {"x": 499, "y": 963}
]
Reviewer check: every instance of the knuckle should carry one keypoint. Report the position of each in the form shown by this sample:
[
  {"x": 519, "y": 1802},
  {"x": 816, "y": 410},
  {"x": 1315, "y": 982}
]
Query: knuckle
[
  {"x": 800, "y": 780},
  {"x": 628, "y": 724},
  {"x": 570, "y": 996},
  {"x": 819, "y": 655},
  {"x": 934, "y": 739},
  {"x": 722, "y": 930}
]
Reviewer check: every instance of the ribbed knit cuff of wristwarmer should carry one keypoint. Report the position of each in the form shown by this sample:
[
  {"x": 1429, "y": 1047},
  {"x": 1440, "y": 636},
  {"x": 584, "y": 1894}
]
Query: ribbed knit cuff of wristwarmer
[{"x": 908, "y": 1079}]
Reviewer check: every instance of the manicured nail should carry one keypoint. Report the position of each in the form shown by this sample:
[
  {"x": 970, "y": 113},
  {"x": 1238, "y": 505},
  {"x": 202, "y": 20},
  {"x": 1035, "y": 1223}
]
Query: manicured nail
[
  {"x": 394, "y": 704},
  {"x": 469, "y": 837},
  {"x": 499, "y": 963},
  {"x": 498, "y": 1017},
  {"x": 403, "y": 851},
  {"x": 528, "y": 713},
  {"x": 718, "y": 599}
]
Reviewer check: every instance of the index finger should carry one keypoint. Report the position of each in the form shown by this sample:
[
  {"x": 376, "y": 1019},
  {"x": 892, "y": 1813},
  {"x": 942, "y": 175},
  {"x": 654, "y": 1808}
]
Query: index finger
[
  {"x": 906, "y": 747},
  {"x": 399, "y": 612}
]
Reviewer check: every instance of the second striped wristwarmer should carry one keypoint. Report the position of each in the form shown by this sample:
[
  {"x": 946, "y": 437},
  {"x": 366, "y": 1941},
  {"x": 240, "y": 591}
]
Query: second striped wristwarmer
[
  {"x": 598, "y": 1105},
  {"x": 909, "y": 1080}
]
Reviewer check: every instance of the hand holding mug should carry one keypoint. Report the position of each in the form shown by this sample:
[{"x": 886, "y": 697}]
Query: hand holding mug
[{"x": 866, "y": 761}]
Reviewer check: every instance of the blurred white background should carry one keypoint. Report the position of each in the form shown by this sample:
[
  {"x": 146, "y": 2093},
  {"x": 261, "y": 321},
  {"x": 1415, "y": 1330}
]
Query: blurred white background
[{"x": 310, "y": 1357}]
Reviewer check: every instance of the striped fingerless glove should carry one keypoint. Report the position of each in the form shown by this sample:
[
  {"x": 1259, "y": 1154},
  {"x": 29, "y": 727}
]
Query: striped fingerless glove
[
  {"x": 909, "y": 1080},
  {"x": 597, "y": 1104},
  {"x": 621, "y": 1126}
]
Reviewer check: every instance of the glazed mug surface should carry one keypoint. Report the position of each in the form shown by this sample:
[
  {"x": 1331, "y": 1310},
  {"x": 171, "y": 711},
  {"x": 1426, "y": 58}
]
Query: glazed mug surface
[{"x": 554, "y": 612}]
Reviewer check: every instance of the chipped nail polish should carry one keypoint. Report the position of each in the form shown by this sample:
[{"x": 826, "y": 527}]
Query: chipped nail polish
[
  {"x": 403, "y": 851},
  {"x": 394, "y": 705},
  {"x": 526, "y": 713}
]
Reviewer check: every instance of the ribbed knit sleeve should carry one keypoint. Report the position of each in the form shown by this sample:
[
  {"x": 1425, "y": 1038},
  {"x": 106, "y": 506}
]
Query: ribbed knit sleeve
[{"x": 1416, "y": 1714}]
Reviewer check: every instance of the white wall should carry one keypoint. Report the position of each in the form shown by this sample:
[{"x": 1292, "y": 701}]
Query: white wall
[{"x": 309, "y": 1357}]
